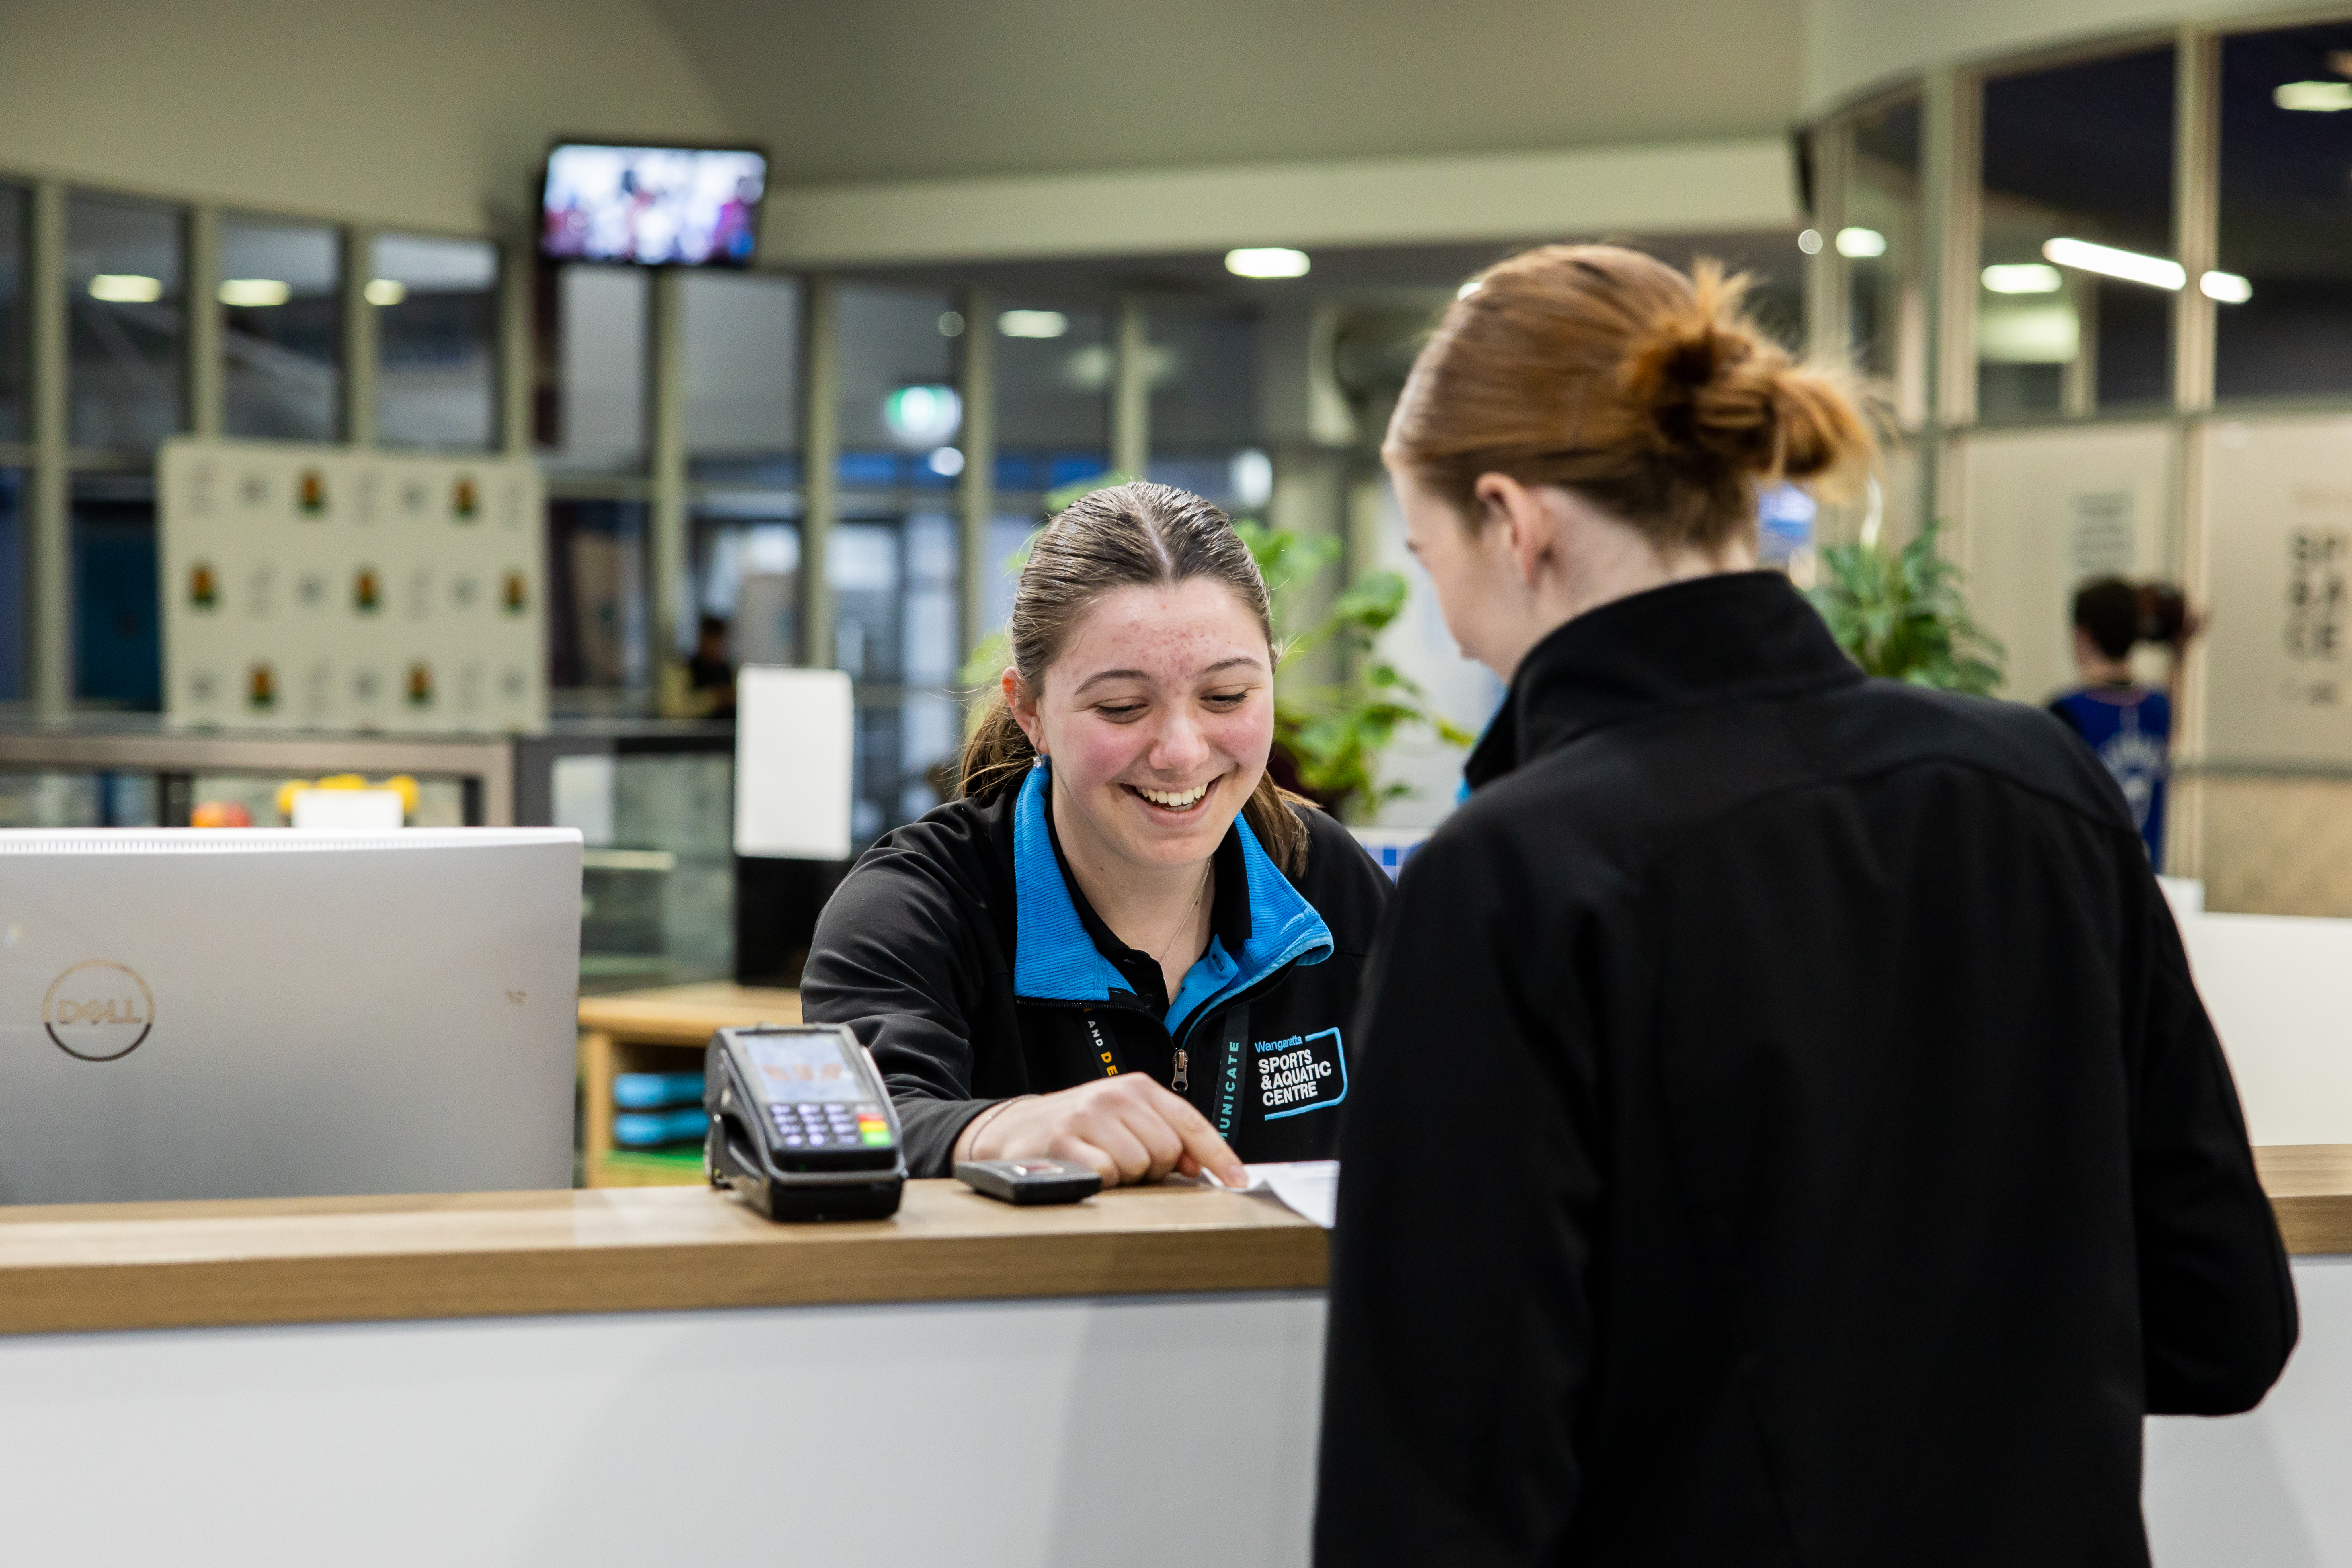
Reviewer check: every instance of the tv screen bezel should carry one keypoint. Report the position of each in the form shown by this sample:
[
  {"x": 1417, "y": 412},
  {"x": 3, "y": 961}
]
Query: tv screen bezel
[{"x": 759, "y": 209}]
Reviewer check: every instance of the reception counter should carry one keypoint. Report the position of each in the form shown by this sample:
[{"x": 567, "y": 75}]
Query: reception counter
[
  {"x": 311, "y": 1260},
  {"x": 612, "y": 1376}
]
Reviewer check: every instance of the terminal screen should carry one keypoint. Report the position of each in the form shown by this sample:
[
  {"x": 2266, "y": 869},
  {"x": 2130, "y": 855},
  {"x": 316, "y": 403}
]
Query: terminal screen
[{"x": 795, "y": 1068}]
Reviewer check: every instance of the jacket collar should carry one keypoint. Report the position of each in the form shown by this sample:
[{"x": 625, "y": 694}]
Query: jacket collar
[
  {"x": 1734, "y": 637},
  {"x": 1054, "y": 957}
]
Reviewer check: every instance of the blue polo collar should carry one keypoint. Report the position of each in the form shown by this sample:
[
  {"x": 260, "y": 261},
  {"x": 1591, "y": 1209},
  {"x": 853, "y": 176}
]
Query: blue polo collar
[{"x": 1054, "y": 959}]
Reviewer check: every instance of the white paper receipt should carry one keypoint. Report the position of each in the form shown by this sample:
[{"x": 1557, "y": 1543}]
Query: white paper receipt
[{"x": 1307, "y": 1188}]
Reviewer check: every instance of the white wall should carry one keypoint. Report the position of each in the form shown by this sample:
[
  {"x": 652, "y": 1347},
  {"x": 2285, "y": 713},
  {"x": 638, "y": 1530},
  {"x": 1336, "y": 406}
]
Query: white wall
[
  {"x": 430, "y": 112},
  {"x": 945, "y": 89}
]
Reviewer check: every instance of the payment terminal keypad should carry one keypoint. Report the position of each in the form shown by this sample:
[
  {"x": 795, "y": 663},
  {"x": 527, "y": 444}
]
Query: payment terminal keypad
[{"x": 830, "y": 1126}]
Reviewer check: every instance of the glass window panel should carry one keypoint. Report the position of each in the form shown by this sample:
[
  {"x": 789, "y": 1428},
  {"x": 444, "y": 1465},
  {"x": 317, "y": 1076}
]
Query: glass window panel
[
  {"x": 747, "y": 574},
  {"x": 742, "y": 378},
  {"x": 2077, "y": 198},
  {"x": 2283, "y": 305},
  {"x": 282, "y": 330},
  {"x": 1052, "y": 394},
  {"x": 596, "y": 626},
  {"x": 124, "y": 269},
  {"x": 436, "y": 304},
  {"x": 1203, "y": 373},
  {"x": 118, "y": 644},
  {"x": 898, "y": 351},
  {"x": 12, "y": 584},
  {"x": 1886, "y": 313},
  {"x": 594, "y": 420},
  {"x": 14, "y": 203}
]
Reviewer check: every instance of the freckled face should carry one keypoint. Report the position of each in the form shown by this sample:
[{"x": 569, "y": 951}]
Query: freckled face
[{"x": 1158, "y": 718}]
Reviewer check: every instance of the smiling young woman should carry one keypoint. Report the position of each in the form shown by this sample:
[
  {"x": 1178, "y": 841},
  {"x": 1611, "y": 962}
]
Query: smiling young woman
[{"x": 1123, "y": 944}]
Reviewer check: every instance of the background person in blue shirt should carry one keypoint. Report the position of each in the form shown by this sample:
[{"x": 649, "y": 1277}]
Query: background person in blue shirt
[{"x": 2128, "y": 724}]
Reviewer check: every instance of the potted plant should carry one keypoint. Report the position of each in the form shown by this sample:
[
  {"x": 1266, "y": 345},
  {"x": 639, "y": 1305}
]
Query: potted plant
[{"x": 1902, "y": 615}]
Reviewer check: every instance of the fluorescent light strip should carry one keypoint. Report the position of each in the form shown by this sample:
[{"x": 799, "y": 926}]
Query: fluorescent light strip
[
  {"x": 1032, "y": 323},
  {"x": 2313, "y": 97},
  {"x": 126, "y": 289},
  {"x": 2227, "y": 286},
  {"x": 255, "y": 292},
  {"x": 2107, "y": 261},
  {"x": 1861, "y": 243}
]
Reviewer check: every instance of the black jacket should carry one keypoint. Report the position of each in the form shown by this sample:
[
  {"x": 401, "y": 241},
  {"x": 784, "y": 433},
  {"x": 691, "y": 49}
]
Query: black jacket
[
  {"x": 1786, "y": 1132},
  {"x": 965, "y": 958}
]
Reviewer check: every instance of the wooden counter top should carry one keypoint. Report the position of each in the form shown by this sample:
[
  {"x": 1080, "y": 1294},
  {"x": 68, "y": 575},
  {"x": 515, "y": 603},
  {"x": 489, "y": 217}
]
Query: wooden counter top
[
  {"x": 187, "y": 1265},
  {"x": 2310, "y": 1187},
  {"x": 299, "y": 1260}
]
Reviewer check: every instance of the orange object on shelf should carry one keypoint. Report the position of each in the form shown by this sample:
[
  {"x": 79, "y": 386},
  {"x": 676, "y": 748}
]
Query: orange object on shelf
[{"x": 220, "y": 814}]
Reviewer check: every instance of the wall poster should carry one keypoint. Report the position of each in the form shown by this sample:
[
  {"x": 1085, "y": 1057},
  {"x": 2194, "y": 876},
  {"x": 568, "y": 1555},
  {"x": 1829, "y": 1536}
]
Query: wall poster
[
  {"x": 2047, "y": 509},
  {"x": 320, "y": 587}
]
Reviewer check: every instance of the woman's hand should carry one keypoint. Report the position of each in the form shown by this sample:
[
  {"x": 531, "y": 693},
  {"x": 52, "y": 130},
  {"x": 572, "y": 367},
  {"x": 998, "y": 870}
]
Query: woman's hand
[{"x": 1127, "y": 1128}]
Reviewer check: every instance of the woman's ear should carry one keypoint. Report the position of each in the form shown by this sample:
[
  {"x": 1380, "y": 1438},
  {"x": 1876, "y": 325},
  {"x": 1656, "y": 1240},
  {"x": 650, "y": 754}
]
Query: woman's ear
[
  {"x": 1518, "y": 521},
  {"x": 1022, "y": 705}
]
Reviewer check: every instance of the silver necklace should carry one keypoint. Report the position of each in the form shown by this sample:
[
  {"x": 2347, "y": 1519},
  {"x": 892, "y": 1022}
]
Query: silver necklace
[{"x": 1190, "y": 910}]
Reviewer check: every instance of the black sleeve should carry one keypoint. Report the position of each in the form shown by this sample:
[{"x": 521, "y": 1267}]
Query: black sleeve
[
  {"x": 895, "y": 959},
  {"x": 2216, "y": 1300},
  {"x": 2057, "y": 709},
  {"x": 1460, "y": 1329}
]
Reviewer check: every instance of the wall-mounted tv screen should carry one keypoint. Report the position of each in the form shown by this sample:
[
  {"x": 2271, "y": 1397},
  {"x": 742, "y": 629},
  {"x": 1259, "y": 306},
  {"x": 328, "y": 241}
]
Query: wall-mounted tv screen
[{"x": 653, "y": 207}]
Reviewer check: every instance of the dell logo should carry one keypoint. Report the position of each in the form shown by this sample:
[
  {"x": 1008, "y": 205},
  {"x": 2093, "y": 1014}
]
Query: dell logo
[{"x": 98, "y": 1010}]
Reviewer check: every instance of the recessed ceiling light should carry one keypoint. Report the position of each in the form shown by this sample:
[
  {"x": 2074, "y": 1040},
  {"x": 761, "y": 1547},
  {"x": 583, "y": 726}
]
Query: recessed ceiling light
[
  {"x": 385, "y": 292},
  {"x": 1810, "y": 241},
  {"x": 254, "y": 292},
  {"x": 1268, "y": 261},
  {"x": 2313, "y": 97},
  {"x": 2227, "y": 286},
  {"x": 1032, "y": 323},
  {"x": 1863, "y": 243},
  {"x": 2024, "y": 278},
  {"x": 126, "y": 289},
  {"x": 950, "y": 323}
]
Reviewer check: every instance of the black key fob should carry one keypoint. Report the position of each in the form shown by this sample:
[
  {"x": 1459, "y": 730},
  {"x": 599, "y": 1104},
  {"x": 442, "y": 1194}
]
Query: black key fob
[{"x": 1029, "y": 1180}]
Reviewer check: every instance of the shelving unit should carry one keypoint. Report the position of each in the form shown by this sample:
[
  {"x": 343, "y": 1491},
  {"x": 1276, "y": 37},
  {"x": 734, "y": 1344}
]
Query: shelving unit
[{"x": 663, "y": 1029}]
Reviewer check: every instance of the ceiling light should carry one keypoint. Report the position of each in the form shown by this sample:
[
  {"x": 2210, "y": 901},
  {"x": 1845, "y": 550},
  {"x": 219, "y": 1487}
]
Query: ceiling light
[
  {"x": 1863, "y": 243},
  {"x": 2105, "y": 259},
  {"x": 1266, "y": 261},
  {"x": 1032, "y": 323},
  {"x": 256, "y": 292},
  {"x": 2047, "y": 333},
  {"x": 1810, "y": 241},
  {"x": 2226, "y": 287},
  {"x": 945, "y": 461},
  {"x": 1250, "y": 479},
  {"x": 950, "y": 323},
  {"x": 384, "y": 291},
  {"x": 126, "y": 289},
  {"x": 2313, "y": 97},
  {"x": 2024, "y": 278}
]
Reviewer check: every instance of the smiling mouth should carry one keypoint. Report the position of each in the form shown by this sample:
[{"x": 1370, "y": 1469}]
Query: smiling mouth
[{"x": 1174, "y": 799}]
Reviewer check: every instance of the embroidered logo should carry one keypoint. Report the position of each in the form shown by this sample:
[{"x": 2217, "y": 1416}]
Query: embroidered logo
[{"x": 1302, "y": 1073}]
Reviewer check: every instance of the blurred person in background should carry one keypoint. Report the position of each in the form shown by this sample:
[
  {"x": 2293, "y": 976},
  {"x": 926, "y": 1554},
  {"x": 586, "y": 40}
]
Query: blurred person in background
[
  {"x": 1786, "y": 1131},
  {"x": 2128, "y": 725}
]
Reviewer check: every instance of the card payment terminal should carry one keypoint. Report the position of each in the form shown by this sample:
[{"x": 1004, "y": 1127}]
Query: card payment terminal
[{"x": 801, "y": 1124}]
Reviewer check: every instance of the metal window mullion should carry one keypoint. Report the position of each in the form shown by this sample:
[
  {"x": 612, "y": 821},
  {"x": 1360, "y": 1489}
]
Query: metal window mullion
[
  {"x": 820, "y": 468},
  {"x": 517, "y": 383},
  {"x": 207, "y": 374},
  {"x": 1130, "y": 402},
  {"x": 1951, "y": 111},
  {"x": 669, "y": 588},
  {"x": 1828, "y": 315},
  {"x": 48, "y": 565},
  {"x": 976, "y": 491},
  {"x": 2195, "y": 214},
  {"x": 360, "y": 356}
]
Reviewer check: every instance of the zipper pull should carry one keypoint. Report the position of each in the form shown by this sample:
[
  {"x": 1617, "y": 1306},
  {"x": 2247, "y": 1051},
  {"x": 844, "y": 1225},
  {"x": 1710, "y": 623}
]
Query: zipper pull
[{"x": 1178, "y": 1083}]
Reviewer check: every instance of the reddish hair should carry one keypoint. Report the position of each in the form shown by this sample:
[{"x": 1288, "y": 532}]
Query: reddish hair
[{"x": 1652, "y": 394}]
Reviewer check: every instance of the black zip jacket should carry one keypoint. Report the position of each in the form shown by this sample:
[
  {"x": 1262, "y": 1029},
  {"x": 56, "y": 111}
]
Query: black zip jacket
[
  {"x": 1818, "y": 1153},
  {"x": 961, "y": 954}
]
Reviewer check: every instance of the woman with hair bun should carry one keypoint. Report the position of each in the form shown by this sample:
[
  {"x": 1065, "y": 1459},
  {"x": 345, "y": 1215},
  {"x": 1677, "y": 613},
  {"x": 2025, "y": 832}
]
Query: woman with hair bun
[
  {"x": 1122, "y": 945},
  {"x": 1786, "y": 1131}
]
